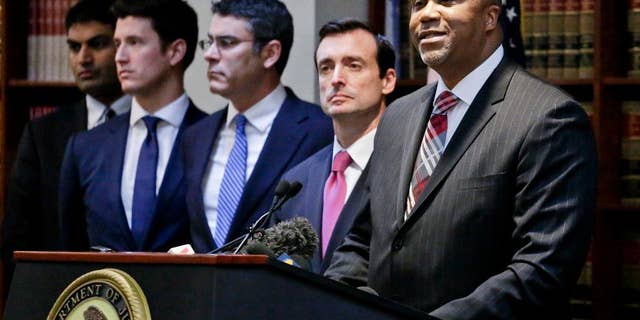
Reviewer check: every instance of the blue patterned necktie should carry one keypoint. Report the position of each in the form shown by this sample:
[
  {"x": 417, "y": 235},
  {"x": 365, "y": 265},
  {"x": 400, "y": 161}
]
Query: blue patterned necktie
[
  {"x": 232, "y": 183},
  {"x": 144, "y": 190}
]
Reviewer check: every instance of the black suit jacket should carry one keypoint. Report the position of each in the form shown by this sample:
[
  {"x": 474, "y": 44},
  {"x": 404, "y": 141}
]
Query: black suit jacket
[
  {"x": 30, "y": 221},
  {"x": 503, "y": 226},
  {"x": 312, "y": 174}
]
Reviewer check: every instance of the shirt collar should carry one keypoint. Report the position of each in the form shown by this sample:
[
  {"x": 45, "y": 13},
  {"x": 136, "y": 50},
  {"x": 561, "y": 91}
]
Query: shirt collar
[
  {"x": 467, "y": 89},
  {"x": 359, "y": 151},
  {"x": 119, "y": 106},
  {"x": 261, "y": 114},
  {"x": 172, "y": 113}
]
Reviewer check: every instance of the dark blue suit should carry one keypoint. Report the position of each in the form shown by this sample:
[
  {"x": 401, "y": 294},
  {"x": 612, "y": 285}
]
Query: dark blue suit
[
  {"x": 90, "y": 192},
  {"x": 313, "y": 173},
  {"x": 299, "y": 130}
]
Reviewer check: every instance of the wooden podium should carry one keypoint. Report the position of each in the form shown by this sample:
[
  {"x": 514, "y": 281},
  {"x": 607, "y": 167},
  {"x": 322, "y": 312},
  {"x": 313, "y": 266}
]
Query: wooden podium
[{"x": 199, "y": 287}]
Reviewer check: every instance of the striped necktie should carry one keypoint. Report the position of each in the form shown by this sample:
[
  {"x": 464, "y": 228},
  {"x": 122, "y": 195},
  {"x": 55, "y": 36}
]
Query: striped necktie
[
  {"x": 232, "y": 183},
  {"x": 431, "y": 148}
]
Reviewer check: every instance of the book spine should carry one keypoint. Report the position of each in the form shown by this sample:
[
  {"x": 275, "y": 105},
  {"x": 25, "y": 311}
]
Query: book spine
[
  {"x": 630, "y": 153},
  {"x": 585, "y": 68},
  {"x": 539, "y": 53},
  {"x": 571, "y": 57},
  {"x": 527, "y": 31},
  {"x": 32, "y": 41},
  {"x": 633, "y": 27},
  {"x": 556, "y": 39}
]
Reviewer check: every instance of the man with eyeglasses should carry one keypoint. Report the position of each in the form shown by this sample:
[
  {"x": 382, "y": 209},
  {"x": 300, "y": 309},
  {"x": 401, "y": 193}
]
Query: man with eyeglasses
[
  {"x": 121, "y": 184},
  {"x": 235, "y": 157}
]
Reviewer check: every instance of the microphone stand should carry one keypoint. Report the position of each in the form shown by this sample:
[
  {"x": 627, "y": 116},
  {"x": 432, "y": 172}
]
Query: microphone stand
[
  {"x": 283, "y": 193},
  {"x": 260, "y": 223}
]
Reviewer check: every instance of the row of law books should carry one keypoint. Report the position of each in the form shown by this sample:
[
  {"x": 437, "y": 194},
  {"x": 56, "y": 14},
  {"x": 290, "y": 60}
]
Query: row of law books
[
  {"x": 558, "y": 37},
  {"x": 630, "y": 153},
  {"x": 47, "y": 53}
]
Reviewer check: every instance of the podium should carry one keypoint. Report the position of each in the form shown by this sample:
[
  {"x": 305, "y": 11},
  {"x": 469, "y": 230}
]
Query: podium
[{"x": 199, "y": 287}]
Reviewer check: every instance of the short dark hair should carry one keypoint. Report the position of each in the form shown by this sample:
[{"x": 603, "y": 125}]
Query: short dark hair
[
  {"x": 88, "y": 11},
  {"x": 171, "y": 19},
  {"x": 269, "y": 20},
  {"x": 386, "y": 56}
]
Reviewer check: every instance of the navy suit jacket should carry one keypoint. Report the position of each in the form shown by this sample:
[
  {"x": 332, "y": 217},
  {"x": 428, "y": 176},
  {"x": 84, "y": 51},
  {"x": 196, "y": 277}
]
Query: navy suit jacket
[
  {"x": 313, "y": 173},
  {"x": 90, "y": 193},
  {"x": 299, "y": 130}
]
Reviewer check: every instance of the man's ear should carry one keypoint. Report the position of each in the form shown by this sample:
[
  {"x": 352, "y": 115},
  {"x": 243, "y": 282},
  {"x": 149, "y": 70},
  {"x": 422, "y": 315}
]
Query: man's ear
[
  {"x": 492, "y": 15},
  {"x": 389, "y": 81},
  {"x": 176, "y": 51},
  {"x": 270, "y": 53}
]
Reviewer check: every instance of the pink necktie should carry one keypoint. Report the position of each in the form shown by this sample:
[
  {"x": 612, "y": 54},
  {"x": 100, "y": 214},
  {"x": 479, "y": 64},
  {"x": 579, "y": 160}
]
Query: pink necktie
[
  {"x": 431, "y": 148},
  {"x": 335, "y": 190}
]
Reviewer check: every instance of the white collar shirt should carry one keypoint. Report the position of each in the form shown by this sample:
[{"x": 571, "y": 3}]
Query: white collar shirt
[
  {"x": 97, "y": 111},
  {"x": 260, "y": 119},
  {"x": 171, "y": 117},
  {"x": 360, "y": 152},
  {"x": 467, "y": 89}
]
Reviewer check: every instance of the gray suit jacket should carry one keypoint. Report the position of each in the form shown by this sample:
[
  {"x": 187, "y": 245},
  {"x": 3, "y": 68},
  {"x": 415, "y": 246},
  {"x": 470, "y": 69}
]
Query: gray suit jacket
[{"x": 504, "y": 224}]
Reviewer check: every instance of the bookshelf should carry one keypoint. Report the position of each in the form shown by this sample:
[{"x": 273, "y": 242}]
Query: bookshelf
[{"x": 607, "y": 89}]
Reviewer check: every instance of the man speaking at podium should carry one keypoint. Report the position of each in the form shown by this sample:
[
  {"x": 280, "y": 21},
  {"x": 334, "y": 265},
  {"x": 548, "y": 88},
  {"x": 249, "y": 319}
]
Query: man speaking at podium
[{"x": 482, "y": 186}]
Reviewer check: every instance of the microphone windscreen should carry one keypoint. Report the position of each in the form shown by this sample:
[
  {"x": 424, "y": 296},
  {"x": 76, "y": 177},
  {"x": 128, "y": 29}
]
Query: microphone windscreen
[
  {"x": 282, "y": 188},
  {"x": 295, "y": 236},
  {"x": 258, "y": 248}
]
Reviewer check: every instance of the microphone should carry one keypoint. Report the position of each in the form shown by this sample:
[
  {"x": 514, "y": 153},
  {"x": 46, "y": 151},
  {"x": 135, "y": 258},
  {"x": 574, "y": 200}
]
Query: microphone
[
  {"x": 282, "y": 193},
  {"x": 295, "y": 237}
]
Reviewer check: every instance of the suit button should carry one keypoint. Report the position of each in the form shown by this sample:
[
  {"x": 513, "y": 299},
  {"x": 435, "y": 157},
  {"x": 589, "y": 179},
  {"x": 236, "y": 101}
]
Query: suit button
[{"x": 397, "y": 244}]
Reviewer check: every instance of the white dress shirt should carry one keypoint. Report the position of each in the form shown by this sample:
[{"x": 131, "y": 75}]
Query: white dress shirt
[
  {"x": 97, "y": 111},
  {"x": 171, "y": 117},
  {"x": 360, "y": 152},
  {"x": 259, "y": 120},
  {"x": 466, "y": 90}
]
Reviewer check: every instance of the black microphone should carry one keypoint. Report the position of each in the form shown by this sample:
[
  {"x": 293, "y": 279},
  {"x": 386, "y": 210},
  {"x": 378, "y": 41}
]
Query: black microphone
[
  {"x": 283, "y": 192},
  {"x": 293, "y": 237}
]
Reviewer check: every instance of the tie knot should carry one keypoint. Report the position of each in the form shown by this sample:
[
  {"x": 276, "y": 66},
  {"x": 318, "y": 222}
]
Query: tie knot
[
  {"x": 241, "y": 121},
  {"x": 445, "y": 101},
  {"x": 341, "y": 161},
  {"x": 110, "y": 114},
  {"x": 151, "y": 122}
]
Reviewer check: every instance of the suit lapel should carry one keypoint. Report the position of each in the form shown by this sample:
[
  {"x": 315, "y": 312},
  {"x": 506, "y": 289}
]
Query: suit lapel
[
  {"x": 315, "y": 189},
  {"x": 115, "y": 144},
  {"x": 287, "y": 132},
  {"x": 174, "y": 172},
  {"x": 414, "y": 131},
  {"x": 80, "y": 116},
  {"x": 478, "y": 115},
  {"x": 199, "y": 151}
]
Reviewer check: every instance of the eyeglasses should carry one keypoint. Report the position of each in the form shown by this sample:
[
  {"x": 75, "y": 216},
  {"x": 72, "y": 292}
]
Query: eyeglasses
[{"x": 222, "y": 43}]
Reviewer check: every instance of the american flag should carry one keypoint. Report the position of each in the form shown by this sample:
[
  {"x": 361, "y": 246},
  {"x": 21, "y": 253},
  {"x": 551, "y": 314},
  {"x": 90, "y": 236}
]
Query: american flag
[{"x": 511, "y": 19}]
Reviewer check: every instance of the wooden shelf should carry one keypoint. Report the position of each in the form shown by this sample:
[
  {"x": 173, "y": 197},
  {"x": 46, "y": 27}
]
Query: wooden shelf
[
  {"x": 22, "y": 83},
  {"x": 621, "y": 81}
]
